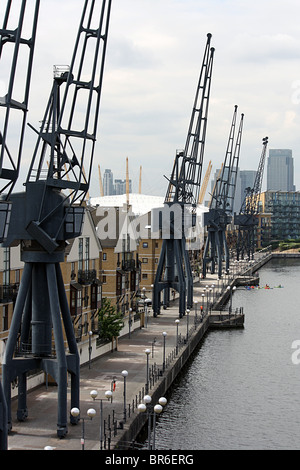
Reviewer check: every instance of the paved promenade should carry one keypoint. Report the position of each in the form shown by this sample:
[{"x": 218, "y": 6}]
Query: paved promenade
[{"x": 39, "y": 430}]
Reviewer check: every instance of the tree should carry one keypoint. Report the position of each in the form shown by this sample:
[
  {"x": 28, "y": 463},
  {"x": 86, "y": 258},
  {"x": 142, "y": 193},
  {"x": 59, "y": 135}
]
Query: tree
[{"x": 110, "y": 321}]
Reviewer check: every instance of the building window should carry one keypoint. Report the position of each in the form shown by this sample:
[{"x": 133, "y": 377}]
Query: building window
[
  {"x": 5, "y": 318},
  {"x": 145, "y": 244},
  {"x": 104, "y": 256},
  {"x": 86, "y": 296},
  {"x": 145, "y": 276},
  {"x": 75, "y": 300},
  {"x": 80, "y": 254},
  {"x": 17, "y": 276},
  {"x": 96, "y": 295},
  {"x": 144, "y": 260},
  {"x": 87, "y": 254},
  {"x": 6, "y": 262}
]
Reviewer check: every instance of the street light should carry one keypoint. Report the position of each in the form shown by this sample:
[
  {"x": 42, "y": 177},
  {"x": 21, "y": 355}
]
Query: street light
[
  {"x": 147, "y": 352},
  {"x": 125, "y": 374},
  {"x": 164, "y": 350},
  {"x": 196, "y": 306},
  {"x": 187, "y": 324},
  {"x": 75, "y": 412},
  {"x": 90, "y": 347},
  {"x": 177, "y": 324},
  {"x": 157, "y": 409},
  {"x": 129, "y": 322},
  {"x": 108, "y": 395},
  {"x": 145, "y": 312}
]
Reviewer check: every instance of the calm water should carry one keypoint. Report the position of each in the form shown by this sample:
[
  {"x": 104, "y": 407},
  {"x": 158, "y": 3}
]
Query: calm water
[{"x": 242, "y": 390}]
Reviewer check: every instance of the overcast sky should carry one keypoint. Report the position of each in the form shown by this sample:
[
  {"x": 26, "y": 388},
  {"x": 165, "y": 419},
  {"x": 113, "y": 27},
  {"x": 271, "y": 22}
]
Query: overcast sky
[{"x": 154, "y": 55}]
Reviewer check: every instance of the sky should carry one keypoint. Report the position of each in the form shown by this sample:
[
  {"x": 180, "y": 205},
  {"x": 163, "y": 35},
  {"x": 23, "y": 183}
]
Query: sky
[{"x": 153, "y": 61}]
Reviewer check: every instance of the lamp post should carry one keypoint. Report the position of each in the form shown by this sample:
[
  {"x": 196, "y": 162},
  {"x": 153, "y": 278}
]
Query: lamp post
[
  {"x": 75, "y": 412},
  {"x": 108, "y": 395},
  {"x": 213, "y": 295},
  {"x": 157, "y": 409},
  {"x": 90, "y": 347},
  {"x": 145, "y": 312},
  {"x": 152, "y": 287},
  {"x": 187, "y": 324},
  {"x": 177, "y": 324},
  {"x": 196, "y": 306},
  {"x": 164, "y": 350},
  {"x": 125, "y": 374},
  {"x": 129, "y": 322},
  {"x": 147, "y": 352}
]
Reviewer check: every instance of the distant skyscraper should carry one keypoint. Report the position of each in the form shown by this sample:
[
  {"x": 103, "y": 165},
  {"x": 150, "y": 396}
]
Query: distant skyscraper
[
  {"x": 108, "y": 183},
  {"x": 113, "y": 187},
  {"x": 247, "y": 178},
  {"x": 120, "y": 186},
  {"x": 280, "y": 170}
]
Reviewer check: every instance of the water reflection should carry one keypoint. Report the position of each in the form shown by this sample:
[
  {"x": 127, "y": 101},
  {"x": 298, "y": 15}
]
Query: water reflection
[{"x": 241, "y": 389}]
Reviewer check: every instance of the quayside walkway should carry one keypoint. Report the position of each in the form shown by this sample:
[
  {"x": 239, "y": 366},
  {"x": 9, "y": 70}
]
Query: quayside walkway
[{"x": 105, "y": 373}]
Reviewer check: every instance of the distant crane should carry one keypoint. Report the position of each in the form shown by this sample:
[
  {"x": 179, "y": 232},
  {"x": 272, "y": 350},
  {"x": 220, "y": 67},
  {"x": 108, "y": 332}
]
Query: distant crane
[
  {"x": 16, "y": 49},
  {"x": 205, "y": 183},
  {"x": 221, "y": 205},
  {"x": 247, "y": 220},
  {"x": 45, "y": 216},
  {"x": 174, "y": 269}
]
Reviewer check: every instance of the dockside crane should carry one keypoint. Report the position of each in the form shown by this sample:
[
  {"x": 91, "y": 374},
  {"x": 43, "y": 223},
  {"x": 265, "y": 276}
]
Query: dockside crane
[
  {"x": 221, "y": 204},
  {"x": 16, "y": 48},
  {"x": 247, "y": 220},
  {"x": 174, "y": 269},
  {"x": 45, "y": 216}
]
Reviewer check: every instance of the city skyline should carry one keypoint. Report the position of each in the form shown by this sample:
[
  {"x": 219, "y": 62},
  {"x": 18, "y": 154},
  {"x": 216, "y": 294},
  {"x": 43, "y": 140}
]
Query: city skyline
[{"x": 114, "y": 186}]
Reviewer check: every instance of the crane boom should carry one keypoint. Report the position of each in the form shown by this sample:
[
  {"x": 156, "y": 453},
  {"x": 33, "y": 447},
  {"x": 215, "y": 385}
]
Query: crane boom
[
  {"x": 247, "y": 220},
  {"x": 185, "y": 181},
  {"x": 14, "y": 48},
  {"x": 174, "y": 269},
  {"x": 221, "y": 205}
]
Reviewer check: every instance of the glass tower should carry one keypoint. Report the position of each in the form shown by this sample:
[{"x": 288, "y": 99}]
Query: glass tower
[{"x": 280, "y": 170}]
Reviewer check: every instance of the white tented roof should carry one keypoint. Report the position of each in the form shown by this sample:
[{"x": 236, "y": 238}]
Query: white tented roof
[{"x": 140, "y": 203}]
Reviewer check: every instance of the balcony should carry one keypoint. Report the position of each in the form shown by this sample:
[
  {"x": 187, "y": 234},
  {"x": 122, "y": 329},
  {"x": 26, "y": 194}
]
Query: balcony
[
  {"x": 128, "y": 265},
  {"x": 87, "y": 277},
  {"x": 8, "y": 293}
]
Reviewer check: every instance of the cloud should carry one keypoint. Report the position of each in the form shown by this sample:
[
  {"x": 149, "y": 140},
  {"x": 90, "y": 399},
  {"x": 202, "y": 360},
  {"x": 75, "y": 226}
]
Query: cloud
[
  {"x": 266, "y": 48},
  {"x": 154, "y": 54}
]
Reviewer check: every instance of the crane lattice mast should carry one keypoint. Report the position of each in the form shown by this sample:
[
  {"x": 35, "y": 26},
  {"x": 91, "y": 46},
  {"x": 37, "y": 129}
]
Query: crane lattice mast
[
  {"x": 15, "y": 48},
  {"x": 247, "y": 220},
  {"x": 174, "y": 270},
  {"x": 46, "y": 215},
  {"x": 221, "y": 205}
]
